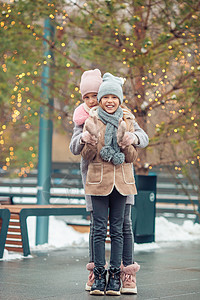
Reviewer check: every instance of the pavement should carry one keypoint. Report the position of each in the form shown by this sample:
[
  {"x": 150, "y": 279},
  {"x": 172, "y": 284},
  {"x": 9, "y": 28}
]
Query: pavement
[{"x": 171, "y": 271}]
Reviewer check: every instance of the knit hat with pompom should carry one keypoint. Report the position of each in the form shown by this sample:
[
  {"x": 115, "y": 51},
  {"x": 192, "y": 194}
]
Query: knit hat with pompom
[{"x": 111, "y": 85}]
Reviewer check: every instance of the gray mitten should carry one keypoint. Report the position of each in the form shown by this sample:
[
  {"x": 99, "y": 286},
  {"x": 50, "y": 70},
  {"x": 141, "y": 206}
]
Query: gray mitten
[{"x": 121, "y": 131}]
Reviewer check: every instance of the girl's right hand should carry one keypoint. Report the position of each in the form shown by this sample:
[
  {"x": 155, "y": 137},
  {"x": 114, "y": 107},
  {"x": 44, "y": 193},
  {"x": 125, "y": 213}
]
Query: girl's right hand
[{"x": 88, "y": 138}]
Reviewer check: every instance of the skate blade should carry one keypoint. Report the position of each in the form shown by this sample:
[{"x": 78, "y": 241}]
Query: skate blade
[
  {"x": 129, "y": 290},
  {"x": 113, "y": 293},
  {"x": 87, "y": 288},
  {"x": 97, "y": 292}
]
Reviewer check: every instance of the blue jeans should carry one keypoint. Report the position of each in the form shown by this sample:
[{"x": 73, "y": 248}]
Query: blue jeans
[
  {"x": 128, "y": 238},
  {"x": 114, "y": 204}
]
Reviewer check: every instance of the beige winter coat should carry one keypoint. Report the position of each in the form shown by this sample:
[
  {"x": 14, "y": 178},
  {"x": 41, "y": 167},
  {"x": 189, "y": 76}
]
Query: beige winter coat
[{"x": 103, "y": 176}]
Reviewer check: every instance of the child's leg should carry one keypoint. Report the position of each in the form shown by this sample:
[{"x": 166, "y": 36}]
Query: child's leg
[
  {"x": 116, "y": 219},
  {"x": 129, "y": 267},
  {"x": 90, "y": 265},
  {"x": 128, "y": 243},
  {"x": 91, "y": 237},
  {"x": 100, "y": 217}
]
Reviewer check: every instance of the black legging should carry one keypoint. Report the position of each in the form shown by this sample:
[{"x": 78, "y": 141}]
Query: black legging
[
  {"x": 128, "y": 238},
  {"x": 115, "y": 202}
]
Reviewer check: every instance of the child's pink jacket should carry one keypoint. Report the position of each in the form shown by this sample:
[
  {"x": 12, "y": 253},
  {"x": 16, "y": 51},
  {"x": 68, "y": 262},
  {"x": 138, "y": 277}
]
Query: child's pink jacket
[{"x": 81, "y": 113}]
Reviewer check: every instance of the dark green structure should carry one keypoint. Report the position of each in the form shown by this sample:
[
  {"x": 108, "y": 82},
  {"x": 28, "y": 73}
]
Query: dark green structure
[{"x": 144, "y": 210}]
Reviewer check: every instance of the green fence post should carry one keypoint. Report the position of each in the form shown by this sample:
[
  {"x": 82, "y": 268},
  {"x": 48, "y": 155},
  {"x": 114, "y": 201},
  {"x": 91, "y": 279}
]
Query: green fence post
[{"x": 45, "y": 137}]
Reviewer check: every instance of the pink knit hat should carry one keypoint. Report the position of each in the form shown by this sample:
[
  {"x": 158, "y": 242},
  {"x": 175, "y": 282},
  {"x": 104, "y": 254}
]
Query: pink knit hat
[{"x": 90, "y": 82}]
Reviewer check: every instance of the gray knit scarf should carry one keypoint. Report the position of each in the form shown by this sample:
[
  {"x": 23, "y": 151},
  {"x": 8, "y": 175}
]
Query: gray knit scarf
[{"x": 111, "y": 150}]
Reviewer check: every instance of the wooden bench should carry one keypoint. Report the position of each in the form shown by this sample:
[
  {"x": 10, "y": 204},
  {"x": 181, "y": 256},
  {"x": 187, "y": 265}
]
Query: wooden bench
[{"x": 13, "y": 227}]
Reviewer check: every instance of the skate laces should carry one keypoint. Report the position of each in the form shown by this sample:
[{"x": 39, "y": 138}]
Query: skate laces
[
  {"x": 127, "y": 277},
  {"x": 91, "y": 276}
]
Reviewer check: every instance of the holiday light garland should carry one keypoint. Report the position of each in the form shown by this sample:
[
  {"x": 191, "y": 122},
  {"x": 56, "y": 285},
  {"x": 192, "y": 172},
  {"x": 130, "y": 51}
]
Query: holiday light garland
[{"x": 155, "y": 81}]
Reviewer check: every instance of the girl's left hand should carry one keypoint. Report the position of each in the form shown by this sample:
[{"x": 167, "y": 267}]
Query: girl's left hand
[
  {"x": 88, "y": 138},
  {"x": 128, "y": 139}
]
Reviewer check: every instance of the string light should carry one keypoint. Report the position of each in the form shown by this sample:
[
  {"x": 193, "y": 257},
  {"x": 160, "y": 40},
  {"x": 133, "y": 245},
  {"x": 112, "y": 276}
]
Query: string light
[{"x": 155, "y": 78}]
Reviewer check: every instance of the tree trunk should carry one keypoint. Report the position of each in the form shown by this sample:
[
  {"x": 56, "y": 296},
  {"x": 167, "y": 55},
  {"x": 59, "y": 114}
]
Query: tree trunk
[{"x": 139, "y": 92}]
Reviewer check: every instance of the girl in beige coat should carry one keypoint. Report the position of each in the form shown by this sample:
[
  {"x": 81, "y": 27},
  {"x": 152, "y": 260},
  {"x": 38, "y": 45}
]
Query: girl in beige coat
[{"x": 109, "y": 180}]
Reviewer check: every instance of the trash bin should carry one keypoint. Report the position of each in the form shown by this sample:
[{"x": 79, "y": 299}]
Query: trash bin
[{"x": 144, "y": 209}]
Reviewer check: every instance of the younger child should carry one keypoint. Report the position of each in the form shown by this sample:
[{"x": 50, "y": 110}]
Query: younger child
[
  {"x": 109, "y": 181},
  {"x": 89, "y": 86}
]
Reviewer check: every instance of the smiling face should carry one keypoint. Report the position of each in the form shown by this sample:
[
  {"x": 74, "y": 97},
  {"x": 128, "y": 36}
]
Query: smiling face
[
  {"x": 90, "y": 99},
  {"x": 110, "y": 103}
]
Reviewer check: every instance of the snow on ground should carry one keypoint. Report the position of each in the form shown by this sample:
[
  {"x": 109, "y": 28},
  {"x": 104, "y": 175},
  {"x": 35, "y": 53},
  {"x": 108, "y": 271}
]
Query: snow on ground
[
  {"x": 62, "y": 235},
  {"x": 11, "y": 256},
  {"x": 166, "y": 231}
]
